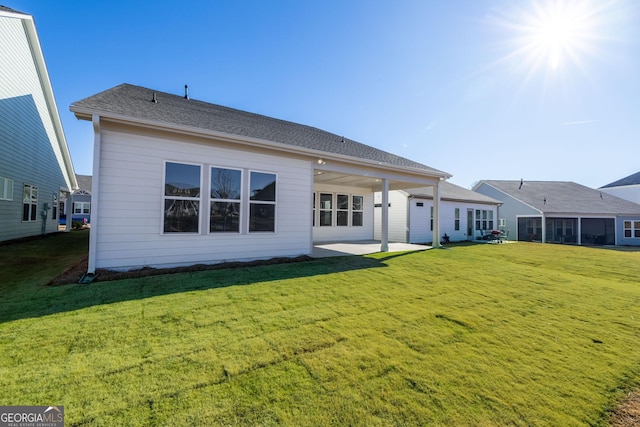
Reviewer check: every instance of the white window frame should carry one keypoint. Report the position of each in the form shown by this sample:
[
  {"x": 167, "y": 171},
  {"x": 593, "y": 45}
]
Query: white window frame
[
  {"x": 633, "y": 227},
  {"x": 6, "y": 189},
  {"x": 195, "y": 199},
  {"x": 262, "y": 202},
  {"x": 355, "y": 211},
  {"x": 343, "y": 211},
  {"x": 323, "y": 209},
  {"x": 85, "y": 208},
  {"x": 239, "y": 200},
  {"x": 31, "y": 200},
  {"x": 456, "y": 219},
  {"x": 431, "y": 218}
]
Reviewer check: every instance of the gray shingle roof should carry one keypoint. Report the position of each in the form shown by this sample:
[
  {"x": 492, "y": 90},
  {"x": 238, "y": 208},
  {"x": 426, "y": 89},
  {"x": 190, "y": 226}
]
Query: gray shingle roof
[
  {"x": 450, "y": 191},
  {"x": 84, "y": 182},
  {"x": 135, "y": 102},
  {"x": 633, "y": 179},
  {"x": 8, "y": 9},
  {"x": 565, "y": 197}
]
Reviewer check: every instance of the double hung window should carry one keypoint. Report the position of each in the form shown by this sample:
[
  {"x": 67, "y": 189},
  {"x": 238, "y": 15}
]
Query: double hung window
[
  {"x": 357, "y": 211},
  {"x": 230, "y": 200},
  {"x": 632, "y": 229},
  {"x": 348, "y": 210},
  {"x": 181, "y": 198},
  {"x": 326, "y": 209},
  {"x": 226, "y": 185},
  {"x": 262, "y": 201},
  {"x": 29, "y": 203},
  {"x": 82, "y": 208},
  {"x": 342, "y": 210},
  {"x": 6, "y": 189}
]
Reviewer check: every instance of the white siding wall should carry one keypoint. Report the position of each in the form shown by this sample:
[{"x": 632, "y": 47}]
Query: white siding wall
[
  {"x": 335, "y": 233},
  {"x": 417, "y": 220},
  {"x": 398, "y": 225},
  {"x": 421, "y": 222},
  {"x": 131, "y": 210},
  {"x": 29, "y": 152},
  {"x": 627, "y": 192}
]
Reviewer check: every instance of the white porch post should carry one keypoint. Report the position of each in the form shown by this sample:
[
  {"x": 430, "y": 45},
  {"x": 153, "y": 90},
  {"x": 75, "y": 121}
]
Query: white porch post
[
  {"x": 579, "y": 239},
  {"x": 384, "y": 237},
  {"x": 436, "y": 215},
  {"x": 543, "y": 226}
]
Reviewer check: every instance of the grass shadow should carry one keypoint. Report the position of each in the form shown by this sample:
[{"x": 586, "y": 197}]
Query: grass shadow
[{"x": 29, "y": 297}]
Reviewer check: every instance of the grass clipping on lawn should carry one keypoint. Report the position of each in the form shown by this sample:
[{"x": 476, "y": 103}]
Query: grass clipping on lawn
[{"x": 523, "y": 334}]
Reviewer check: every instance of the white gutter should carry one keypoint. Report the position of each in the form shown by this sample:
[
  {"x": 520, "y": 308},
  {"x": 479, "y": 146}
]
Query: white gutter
[{"x": 47, "y": 90}]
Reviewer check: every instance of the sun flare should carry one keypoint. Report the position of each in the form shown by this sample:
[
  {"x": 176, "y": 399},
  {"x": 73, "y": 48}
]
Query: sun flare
[
  {"x": 553, "y": 34},
  {"x": 559, "y": 30}
]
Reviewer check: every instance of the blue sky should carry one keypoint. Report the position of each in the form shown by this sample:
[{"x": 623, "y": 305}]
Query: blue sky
[{"x": 482, "y": 89}]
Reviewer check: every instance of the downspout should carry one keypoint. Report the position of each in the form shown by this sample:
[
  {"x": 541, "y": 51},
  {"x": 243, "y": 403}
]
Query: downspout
[
  {"x": 407, "y": 231},
  {"x": 313, "y": 213},
  {"x": 95, "y": 200},
  {"x": 384, "y": 244},
  {"x": 436, "y": 216}
]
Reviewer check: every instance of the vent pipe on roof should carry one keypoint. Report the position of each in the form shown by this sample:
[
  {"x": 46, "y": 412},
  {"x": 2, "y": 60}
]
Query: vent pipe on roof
[
  {"x": 154, "y": 99},
  {"x": 186, "y": 92}
]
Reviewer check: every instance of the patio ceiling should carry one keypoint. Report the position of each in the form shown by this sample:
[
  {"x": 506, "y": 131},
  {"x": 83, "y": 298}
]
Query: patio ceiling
[{"x": 363, "y": 181}]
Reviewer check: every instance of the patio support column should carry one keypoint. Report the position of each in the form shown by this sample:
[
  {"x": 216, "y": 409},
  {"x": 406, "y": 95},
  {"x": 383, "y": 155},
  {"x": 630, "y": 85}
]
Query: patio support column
[
  {"x": 579, "y": 236},
  {"x": 384, "y": 238},
  {"x": 543, "y": 226},
  {"x": 436, "y": 216}
]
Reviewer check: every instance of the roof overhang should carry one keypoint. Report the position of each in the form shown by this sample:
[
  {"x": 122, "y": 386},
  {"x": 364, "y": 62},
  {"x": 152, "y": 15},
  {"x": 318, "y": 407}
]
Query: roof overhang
[
  {"x": 45, "y": 83},
  {"x": 335, "y": 166}
]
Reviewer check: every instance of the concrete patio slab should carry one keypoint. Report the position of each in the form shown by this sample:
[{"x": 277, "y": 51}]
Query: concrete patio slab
[{"x": 329, "y": 249}]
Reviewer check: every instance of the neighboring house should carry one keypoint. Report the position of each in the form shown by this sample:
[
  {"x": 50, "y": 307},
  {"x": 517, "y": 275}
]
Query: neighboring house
[
  {"x": 35, "y": 166},
  {"x": 626, "y": 188},
  {"x": 78, "y": 205},
  {"x": 178, "y": 181},
  {"x": 563, "y": 212},
  {"x": 464, "y": 214}
]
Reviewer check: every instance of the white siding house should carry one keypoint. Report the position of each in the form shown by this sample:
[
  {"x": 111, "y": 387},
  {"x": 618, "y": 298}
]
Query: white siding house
[
  {"x": 627, "y": 188},
  {"x": 178, "y": 181},
  {"x": 564, "y": 212},
  {"x": 35, "y": 165},
  {"x": 464, "y": 214}
]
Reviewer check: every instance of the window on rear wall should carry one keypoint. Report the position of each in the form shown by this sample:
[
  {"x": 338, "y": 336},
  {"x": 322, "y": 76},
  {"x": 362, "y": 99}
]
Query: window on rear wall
[
  {"x": 457, "y": 219},
  {"x": 326, "y": 209},
  {"x": 357, "y": 211},
  {"x": 342, "y": 210},
  {"x": 226, "y": 187},
  {"x": 262, "y": 202},
  {"x": 181, "y": 198}
]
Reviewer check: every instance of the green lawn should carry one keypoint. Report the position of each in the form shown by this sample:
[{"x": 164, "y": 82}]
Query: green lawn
[{"x": 513, "y": 334}]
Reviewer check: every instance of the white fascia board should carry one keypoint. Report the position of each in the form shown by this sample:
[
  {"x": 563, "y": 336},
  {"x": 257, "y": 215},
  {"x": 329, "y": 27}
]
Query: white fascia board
[
  {"x": 86, "y": 114},
  {"x": 47, "y": 90}
]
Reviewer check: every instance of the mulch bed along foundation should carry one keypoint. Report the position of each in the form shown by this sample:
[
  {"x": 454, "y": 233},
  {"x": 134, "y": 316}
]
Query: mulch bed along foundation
[{"x": 75, "y": 273}]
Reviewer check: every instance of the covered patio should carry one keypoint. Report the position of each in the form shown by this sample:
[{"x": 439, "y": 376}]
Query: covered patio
[{"x": 342, "y": 226}]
